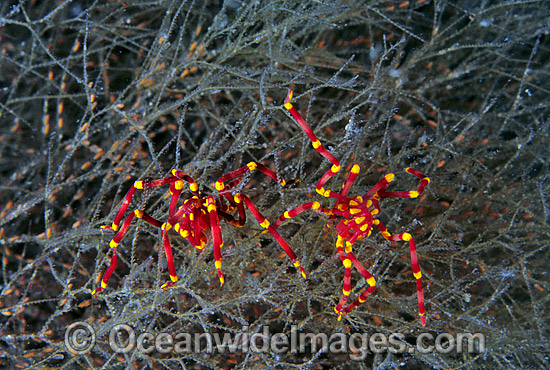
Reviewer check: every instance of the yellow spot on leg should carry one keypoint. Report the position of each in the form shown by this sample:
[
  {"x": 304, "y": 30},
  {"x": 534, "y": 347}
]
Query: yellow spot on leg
[
  {"x": 371, "y": 281},
  {"x": 417, "y": 275},
  {"x": 290, "y": 93},
  {"x": 348, "y": 246},
  {"x": 252, "y": 166}
]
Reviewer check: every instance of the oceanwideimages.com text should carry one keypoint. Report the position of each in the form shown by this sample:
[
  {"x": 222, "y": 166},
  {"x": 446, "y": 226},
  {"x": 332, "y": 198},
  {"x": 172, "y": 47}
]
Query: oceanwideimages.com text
[{"x": 80, "y": 338}]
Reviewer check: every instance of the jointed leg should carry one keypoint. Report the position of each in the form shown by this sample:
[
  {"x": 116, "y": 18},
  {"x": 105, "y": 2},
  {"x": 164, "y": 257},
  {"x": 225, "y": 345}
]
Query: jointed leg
[
  {"x": 380, "y": 186},
  {"x": 317, "y": 146},
  {"x": 368, "y": 278},
  {"x": 145, "y": 184},
  {"x": 348, "y": 258},
  {"x": 192, "y": 184},
  {"x": 175, "y": 189},
  {"x": 220, "y": 184},
  {"x": 266, "y": 225},
  {"x": 113, "y": 244},
  {"x": 416, "y": 271},
  {"x": 118, "y": 237},
  {"x": 295, "y": 212},
  {"x": 349, "y": 181},
  {"x": 169, "y": 260},
  {"x": 182, "y": 224},
  {"x": 107, "y": 274},
  {"x": 415, "y": 266},
  {"x": 226, "y": 210},
  {"x": 346, "y": 288},
  {"x": 176, "y": 186},
  {"x": 216, "y": 235},
  {"x": 424, "y": 181}
]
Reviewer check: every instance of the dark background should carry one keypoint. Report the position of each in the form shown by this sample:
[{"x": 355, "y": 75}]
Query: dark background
[{"x": 97, "y": 94}]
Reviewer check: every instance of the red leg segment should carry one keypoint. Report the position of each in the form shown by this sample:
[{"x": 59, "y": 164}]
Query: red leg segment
[
  {"x": 113, "y": 244},
  {"x": 220, "y": 184},
  {"x": 266, "y": 225},
  {"x": 295, "y": 212},
  {"x": 416, "y": 271},
  {"x": 424, "y": 181},
  {"x": 316, "y": 145},
  {"x": 176, "y": 186},
  {"x": 169, "y": 260},
  {"x": 216, "y": 235},
  {"x": 359, "y": 214}
]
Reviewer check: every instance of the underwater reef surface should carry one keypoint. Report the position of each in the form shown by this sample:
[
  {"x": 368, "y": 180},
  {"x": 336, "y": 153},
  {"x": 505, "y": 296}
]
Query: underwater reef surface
[{"x": 95, "y": 95}]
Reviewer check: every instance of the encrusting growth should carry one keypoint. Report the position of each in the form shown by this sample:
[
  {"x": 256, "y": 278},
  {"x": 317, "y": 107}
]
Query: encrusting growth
[{"x": 357, "y": 216}]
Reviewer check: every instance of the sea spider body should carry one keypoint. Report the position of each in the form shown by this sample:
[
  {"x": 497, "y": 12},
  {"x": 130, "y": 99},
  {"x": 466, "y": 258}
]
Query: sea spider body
[
  {"x": 357, "y": 216},
  {"x": 196, "y": 218}
]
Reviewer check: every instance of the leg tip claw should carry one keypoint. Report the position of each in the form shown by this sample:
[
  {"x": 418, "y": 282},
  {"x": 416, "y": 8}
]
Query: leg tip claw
[
  {"x": 339, "y": 312},
  {"x": 167, "y": 285}
]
